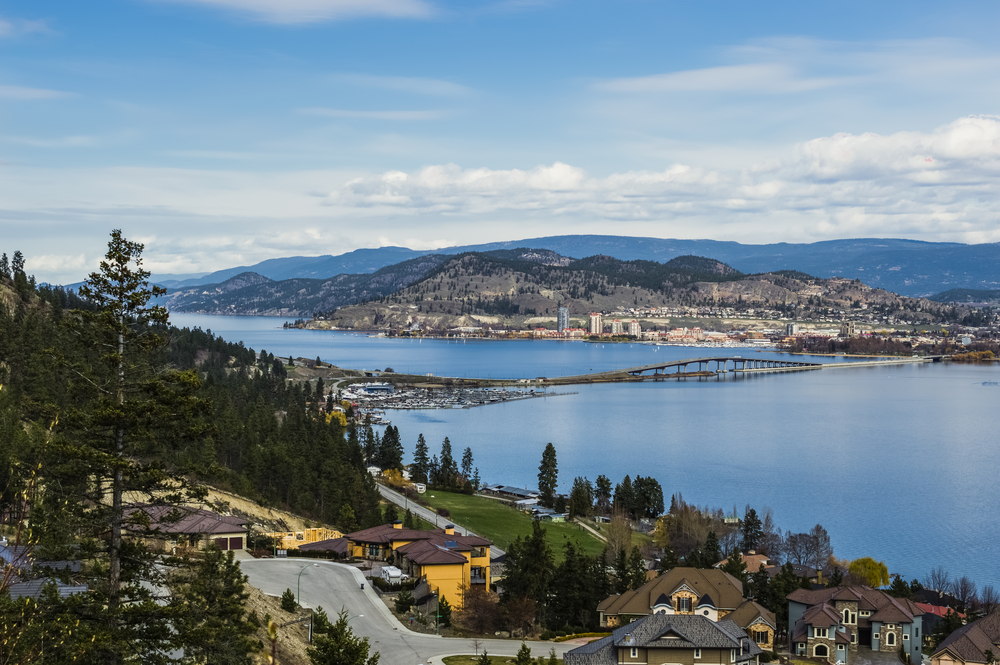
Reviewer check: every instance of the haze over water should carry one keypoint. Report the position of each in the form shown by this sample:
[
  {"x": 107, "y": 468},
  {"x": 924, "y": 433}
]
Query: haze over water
[{"x": 896, "y": 463}]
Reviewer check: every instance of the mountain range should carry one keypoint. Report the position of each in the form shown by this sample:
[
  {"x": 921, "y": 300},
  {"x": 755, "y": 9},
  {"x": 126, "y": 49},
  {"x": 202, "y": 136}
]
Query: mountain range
[{"x": 907, "y": 267}]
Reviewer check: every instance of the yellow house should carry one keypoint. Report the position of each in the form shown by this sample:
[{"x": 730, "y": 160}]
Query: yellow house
[{"x": 446, "y": 561}]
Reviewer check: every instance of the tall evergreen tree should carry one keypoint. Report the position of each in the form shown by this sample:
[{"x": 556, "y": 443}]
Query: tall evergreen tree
[
  {"x": 421, "y": 463},
  {"x": 467, "y": 464},
  {"x": 625, "y": 497},
  {"x": 602, "y": 494},
  {"x": 447, "y": 468},
  {"x": 753, "y": 531},
  {"x": 340, "y": 646},
  {"x": 548, "y": 476},
  {"x": 712, "y": 552},
  {"x": 4, "y": 266},
  {"x": 529, "y": 568}
]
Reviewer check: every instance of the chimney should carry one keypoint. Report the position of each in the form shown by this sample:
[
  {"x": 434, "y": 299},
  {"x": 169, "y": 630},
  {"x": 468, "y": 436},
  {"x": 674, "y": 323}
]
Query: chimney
[
  {"x": 398, "y": 524},
  {"x": 449, "y": 530}
]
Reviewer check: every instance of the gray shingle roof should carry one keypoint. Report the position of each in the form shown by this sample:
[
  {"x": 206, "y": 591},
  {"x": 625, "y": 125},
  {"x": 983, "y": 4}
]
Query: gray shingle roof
[
  {"x": 970, "y": 642},
  {"x": 667, "y": 631}
]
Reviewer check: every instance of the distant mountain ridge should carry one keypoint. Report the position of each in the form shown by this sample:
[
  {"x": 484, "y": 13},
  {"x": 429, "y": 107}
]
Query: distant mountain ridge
[{"x": 907, "y": 267}]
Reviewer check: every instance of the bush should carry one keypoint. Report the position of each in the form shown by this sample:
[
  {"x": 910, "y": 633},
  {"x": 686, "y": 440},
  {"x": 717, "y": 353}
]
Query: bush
[
  {"x": 768, "y": 657},
  {"x": 288, "y": 601},
  {"x": 444, "y": 612},
  {"x": 404, "y": 601},
  {"x": 444, "y": 512},
  {"x": 547, "y": 635},
  {"x": 388, "y": 586}
]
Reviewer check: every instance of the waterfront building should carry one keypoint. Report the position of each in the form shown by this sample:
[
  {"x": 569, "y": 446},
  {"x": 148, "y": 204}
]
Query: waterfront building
[
  {"x": 617, "y": 327},
  {"x": 634, "y": 329},
  {"x": 562, "y": 321},
  {"x": 791, "y": 329},
  {"x": 596, "y": 325}
]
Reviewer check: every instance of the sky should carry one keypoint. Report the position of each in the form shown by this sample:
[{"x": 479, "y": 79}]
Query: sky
[{"x": 225, "y": 132}]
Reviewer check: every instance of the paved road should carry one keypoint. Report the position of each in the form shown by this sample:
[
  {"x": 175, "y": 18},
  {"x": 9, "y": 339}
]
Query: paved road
[
  {"x": 429, "y": 515},
  {"x": 336, "y": 586}
]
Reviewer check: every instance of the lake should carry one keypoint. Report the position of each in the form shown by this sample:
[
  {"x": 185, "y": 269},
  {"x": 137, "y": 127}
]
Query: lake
[{"x": 897, "y": 463}]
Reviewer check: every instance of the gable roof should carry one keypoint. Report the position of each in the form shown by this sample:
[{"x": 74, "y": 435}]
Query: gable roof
[
  {"x": 426, "y": 553},
  {"x": 748, "y": 613},
  {"x": 666, "y": 631},
  {"x": 970, "y": 642},
  {"x": 193, "y": 521},
  {"x": 386, "y": 534},
  {"x": 725, "y": 591},
  {"x": 338, "y": 545}
]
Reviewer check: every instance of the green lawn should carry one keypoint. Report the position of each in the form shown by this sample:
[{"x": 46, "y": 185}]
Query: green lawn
[{"x": 501, "y": 524}]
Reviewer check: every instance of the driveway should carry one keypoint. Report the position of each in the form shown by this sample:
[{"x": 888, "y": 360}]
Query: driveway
[
  {"x": 865, "y": 656},
  {"x": 336, "y": 586}
]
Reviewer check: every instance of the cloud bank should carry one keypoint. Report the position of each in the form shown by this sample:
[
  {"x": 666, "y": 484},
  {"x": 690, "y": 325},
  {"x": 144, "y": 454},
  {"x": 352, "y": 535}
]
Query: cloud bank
[{"x": 314, "y": 11}]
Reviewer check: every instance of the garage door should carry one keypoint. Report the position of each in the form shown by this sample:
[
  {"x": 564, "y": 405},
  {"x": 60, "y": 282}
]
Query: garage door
[
  {"x": 222, "y": 543},
  {"x": 236, "y": 543}
]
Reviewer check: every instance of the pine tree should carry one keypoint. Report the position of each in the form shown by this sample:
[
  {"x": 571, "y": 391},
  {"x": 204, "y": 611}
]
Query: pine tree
[
  {"x": 548, "y": 476},
  {"x": 408, "y": 521},
  {"x": 340, "y": 646},
  {"x": 390, "y": 515},
  {"x": 421, "y": 463},
  {"x": 4, "y": 266},
  {"x": 447, "y": 468},
  {"x": 625, "y": 497},
  {"x": 467, "y": 463},
  {"x": 523, "y": 656},
  {"x": 753, "y": 531},
  {"x": 712, "y": 552},
  {"x": 216, "y": 630},
  {"x": 444, "y": 612}
]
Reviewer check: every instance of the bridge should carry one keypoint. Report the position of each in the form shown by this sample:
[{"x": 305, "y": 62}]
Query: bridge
[{"x": 739, "y": 364}]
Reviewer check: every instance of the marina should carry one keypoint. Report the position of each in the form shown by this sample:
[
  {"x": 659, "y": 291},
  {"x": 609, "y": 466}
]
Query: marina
[{"x": 374, "y": 398}]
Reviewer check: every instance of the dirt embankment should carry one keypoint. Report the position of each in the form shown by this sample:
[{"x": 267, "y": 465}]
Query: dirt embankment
[
  {"x": 292, "y": 640},
  {"x": 269, "y": 519}
]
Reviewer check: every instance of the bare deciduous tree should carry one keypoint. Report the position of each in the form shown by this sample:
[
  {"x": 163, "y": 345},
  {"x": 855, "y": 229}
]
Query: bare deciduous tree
[
  {"x": 989, "y": 599},
  {"x": 939, "y": 580},
  {"x": 619, "y": 534},
  {"x": 965, "y": 591}
]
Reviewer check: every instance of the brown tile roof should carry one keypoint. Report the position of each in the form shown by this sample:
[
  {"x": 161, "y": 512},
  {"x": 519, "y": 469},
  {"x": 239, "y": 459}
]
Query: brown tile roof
[
  {"x": 193, "y": 521},
  {"x": 725, "y": 591},
  {"x": 970, "y": 642},
  {"x": 427, "y": 553},
  {"x": 821, "y": 616},
  {"x": 753, "y": 562},
  {"x": 384, "y": 534},
  {"x": 338, "y": 545}
]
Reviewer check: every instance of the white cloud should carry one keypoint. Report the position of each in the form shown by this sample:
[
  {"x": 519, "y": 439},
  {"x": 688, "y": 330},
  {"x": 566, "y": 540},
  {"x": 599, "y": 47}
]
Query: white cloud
[
  {"x": 15, "y": 27},
  {"x": 20, "y": 93},
  {"x": 313, "y": 11},
  {"x": 757, "y": 77},
  {"x": 61, "y": 142},
  {"x": 378, "y": 115},
  {"x": 416, "y": 85}
]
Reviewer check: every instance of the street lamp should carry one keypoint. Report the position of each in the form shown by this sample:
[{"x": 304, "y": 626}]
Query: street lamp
[{"x": 298, "y": 583}]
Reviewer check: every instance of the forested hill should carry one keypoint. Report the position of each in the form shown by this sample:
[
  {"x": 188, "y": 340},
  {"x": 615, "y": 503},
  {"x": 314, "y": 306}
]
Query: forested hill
[
  {"x": 249, "y": 293},
  {"x": 265, "y": 438},
  {"x": 474, "y": 289}
]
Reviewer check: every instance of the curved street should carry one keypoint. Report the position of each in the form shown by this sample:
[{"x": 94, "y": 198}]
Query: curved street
[{"x": 336, "y": 586}]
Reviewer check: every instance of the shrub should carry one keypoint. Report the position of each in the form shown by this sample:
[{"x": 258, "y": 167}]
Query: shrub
[
  {"x": 547, "y": 635},
  {"x": 444, "y": 512},
  {"x": 444, "y": 612},
  {"x": 288, "y": 601},
  {"x": 403, "y": 602}
]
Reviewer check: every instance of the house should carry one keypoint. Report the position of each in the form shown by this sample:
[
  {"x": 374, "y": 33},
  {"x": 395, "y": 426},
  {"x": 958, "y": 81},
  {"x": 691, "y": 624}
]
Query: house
[
  {"x": 709, "y": 593},
  {"x": 337, "y": 546},
  {"x": 802, "y": 571},
  {"x": 445, "y": 562},
  {"x": 751, "y": 560},
  {"x": 195, "y": 529},
  {"x": 670, "y": 638},
  {"x": 933, "y": 614},
  {"x": 834, "y": 622},
  {"x": 970, "y": 643},
  {"x": 17, "y": 563}
]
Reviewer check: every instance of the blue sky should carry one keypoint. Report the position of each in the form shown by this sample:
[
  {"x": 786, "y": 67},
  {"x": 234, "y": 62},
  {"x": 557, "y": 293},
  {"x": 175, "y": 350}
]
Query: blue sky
[{"x": 224, "y": 132}]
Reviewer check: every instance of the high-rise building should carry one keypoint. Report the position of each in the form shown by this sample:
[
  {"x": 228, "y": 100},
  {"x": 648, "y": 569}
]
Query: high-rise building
[
  {"x": 617, "y": 327},
  {"x": 634, "y": 329},
  {"x": 562, "y": 321},
  {"x": 596, "y": 325}
]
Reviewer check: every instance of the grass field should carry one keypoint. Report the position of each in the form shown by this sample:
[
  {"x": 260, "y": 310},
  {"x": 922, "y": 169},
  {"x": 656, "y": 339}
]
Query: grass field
[{"x": 501, "y": 524}]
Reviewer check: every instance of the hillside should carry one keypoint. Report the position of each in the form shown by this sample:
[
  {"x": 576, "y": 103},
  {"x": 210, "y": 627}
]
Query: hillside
[
  {"x": 968, "y": 296},
  {"x": 908, "y": 267},
  {"x": 250, "y": 293},
  {"x": 476, "y": 289}
]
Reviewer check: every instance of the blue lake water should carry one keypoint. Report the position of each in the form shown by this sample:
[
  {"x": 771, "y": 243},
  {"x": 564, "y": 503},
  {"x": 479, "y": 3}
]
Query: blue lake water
[{"x": 897, "y": 463}]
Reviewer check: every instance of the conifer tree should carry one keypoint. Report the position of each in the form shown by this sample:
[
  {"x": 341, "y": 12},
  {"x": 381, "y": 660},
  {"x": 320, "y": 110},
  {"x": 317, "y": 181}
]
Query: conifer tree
[
  {"x": 467, "y": 463},
  {"x": 548, "y": 476},
  {"x": 4, "y": 266},
  {"x": 753, "y": 531},
  {"x": 421, "y": 463}
]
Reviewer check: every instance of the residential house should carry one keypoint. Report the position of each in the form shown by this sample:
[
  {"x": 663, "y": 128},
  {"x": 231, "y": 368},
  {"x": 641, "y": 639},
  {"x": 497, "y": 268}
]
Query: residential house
[
  {"x": 970, "y": 643},
  {"x": 670, "y": 638},
  {"x": 751, "y": 560},
  {"x": 447, "y": 562},
  {"x": 195, "y": 529},
  {"x": 933, "y": 614},
  {"x": 834, "y": 622},
  {"x": 709, "y": 593},
  {"x": 337, "y": 546}
]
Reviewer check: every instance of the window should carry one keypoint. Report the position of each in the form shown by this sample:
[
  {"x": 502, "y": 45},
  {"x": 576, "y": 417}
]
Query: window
[
  {"x": 854, "y": 618},
  {"x": 683, "y": 604},
  {"x": 820, "y": 651},
  {"x": 890, "y": 639},
  {"x": 905, "y": 636},
  {"x": 918, "y": 634},
  {"x": 875, "y": 636},
  {"x": 840, "y": 647},
  {"x": 635, "y": 652},
  {"x": 854, "y": 638},
  {"x": 760, "y": 636},
  {"x": 802, "y": 645},
  {"x": 732, "y": 655},
  {"x": 847, "y": 616},
  {"x": 821, "y": 632},
  {"x": 697, "y": 653},
  {"x": 890, "y": 626}
]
